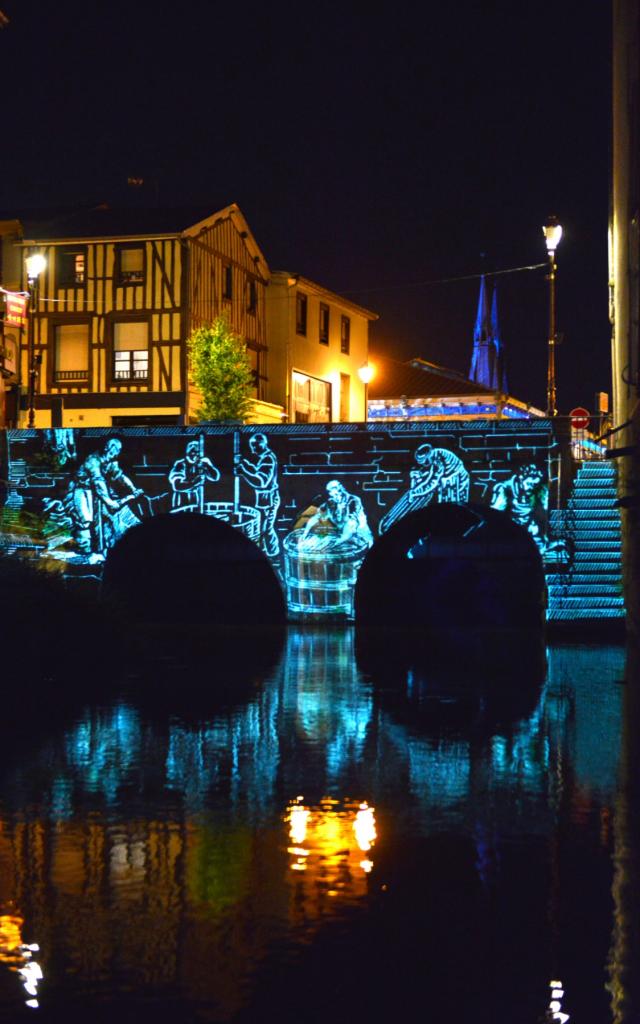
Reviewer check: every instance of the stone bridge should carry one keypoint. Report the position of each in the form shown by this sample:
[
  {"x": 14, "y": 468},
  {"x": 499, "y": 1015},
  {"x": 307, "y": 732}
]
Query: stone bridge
[{"x": 316, "y": 500}]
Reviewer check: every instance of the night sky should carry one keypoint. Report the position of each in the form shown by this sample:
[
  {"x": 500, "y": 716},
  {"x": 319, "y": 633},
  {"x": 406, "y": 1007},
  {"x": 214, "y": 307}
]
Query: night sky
[{"x": 372, "y": 152}]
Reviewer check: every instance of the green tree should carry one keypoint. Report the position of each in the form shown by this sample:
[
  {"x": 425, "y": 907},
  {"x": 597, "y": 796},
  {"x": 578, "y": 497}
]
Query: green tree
[{"x": 221, "y": 371}]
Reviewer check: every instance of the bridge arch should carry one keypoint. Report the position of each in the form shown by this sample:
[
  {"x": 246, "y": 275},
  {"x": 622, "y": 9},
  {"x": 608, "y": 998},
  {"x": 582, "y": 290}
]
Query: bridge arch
[
  {"x": 448, "y": 566},
  {"x": 190, "y": 567}
]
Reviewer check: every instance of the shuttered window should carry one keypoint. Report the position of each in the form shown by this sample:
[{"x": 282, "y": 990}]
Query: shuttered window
[{"x": 71, "y": 359}]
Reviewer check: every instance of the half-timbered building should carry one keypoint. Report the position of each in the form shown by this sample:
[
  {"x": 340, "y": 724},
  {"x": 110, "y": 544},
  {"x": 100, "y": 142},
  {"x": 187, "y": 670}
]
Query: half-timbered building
[{"x": 120, "y": 294}]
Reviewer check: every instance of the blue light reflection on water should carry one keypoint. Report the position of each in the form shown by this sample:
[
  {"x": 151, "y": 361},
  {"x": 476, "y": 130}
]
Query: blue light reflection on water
[{"x": 177, "y": 823}]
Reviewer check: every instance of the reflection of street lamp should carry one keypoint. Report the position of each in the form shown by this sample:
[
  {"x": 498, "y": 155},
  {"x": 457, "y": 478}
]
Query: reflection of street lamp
[
  {"x": 35, "y": 265},
  {"x": 552, "y": 232},
  {"x": 366, "y": 374}
]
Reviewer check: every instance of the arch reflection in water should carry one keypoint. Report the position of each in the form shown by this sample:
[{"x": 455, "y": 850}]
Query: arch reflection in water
[{"x": 173, "y": 864}]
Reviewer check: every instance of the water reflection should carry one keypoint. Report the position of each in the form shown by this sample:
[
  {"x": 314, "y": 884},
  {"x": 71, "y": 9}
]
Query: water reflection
[{"x": 209, "y": 848}]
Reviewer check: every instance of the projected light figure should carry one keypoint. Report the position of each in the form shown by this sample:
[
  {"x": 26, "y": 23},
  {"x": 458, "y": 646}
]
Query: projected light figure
[
  {"x": 323, "y": 557},
  {"x": 189, "y": 475},
  {"x": 440, "y": 474},
  {"x": 260, "y": 470},
  {"x": 97, "y": 506},
  {"x": 525, "y": 496}
]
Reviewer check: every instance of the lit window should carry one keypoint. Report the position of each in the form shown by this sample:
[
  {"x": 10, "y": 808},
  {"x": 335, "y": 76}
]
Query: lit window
[
  {"x": 71, "y": 357},
  {"x": 71, "y": 265},
  {"x": 130, "y": 350},
  {"x": 311, "y": 399},
  {"x": 130, "y": 265},
  {"x": 345, "y": 335},
  {"x": 301, "y": 313},
  {"x": 324, "y": 324}
]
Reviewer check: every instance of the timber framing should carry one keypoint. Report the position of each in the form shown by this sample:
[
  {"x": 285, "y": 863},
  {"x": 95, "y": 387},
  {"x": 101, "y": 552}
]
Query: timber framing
[{"x": 170, "y": 281}]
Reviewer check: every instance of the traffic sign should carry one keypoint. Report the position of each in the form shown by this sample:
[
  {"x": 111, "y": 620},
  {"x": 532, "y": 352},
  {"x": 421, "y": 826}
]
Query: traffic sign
[{"x": 580, "y": 418}]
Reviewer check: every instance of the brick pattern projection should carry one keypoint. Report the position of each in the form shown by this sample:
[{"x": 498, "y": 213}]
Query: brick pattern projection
[{"x": 313, "y": 497}]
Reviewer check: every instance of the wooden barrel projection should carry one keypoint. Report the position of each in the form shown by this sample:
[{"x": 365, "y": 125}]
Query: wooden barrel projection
[{"x": 321, "y": 583}]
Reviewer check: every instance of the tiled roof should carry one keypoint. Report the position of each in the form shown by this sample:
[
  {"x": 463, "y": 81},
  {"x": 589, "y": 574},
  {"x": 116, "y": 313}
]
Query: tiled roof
[{"x": 419, "y": 379}]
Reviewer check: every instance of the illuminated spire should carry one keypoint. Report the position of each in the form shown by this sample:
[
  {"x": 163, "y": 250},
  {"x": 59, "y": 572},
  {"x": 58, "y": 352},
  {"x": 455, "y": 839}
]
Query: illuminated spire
[
  {"x": 487, "y": 362},
  {"x": 480, "y": 371},
  {"x": 499, "y": 374}
]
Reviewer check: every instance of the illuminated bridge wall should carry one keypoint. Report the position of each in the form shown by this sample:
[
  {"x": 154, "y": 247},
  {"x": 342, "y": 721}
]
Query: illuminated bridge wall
[{"x": 314, "y": 498}]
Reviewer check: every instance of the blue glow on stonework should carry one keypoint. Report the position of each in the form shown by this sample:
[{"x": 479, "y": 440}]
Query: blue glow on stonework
[{"x": 313, "y": 497}]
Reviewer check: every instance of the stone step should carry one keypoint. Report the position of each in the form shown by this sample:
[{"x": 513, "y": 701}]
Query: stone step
[
  {"x": 590, "y": 603},
  {"x": 558, "y": 579},
  {"x": 612, "y": 544},
  {"x": 586, "y": 493},
  {"x": 584, "y": 535},
  {"x": 588, "y": 514},
  {"x": 596, "y": 560},
  {"x": 575, "y": 614},
  {"x": 577, "y": 504},
  {"x": 584, "y": 590}
]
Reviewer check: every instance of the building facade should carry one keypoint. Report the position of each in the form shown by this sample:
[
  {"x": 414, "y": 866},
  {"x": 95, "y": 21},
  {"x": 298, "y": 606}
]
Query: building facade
[
  {"x": 105, "y": 341},
  {"x": 317, "y": 343},
  {"x": 112, "y": 311}
]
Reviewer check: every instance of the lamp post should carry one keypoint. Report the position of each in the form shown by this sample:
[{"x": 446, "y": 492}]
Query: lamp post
[
  {"x": 366, "y": 374},
  {"x": 35, "y": 265},
  {"x": 552, "y": 232}
]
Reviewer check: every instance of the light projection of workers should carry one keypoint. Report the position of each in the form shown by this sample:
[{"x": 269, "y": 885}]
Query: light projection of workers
[
  {"x": 440, "y": 475},
  {"x": 322, "y": 557}
]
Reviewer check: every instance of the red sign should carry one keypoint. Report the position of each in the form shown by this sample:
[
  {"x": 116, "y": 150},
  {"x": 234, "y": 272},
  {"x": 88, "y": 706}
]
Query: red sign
[
  {"x": 580, "y": 418},
  {"x": 16, "y": 310}
]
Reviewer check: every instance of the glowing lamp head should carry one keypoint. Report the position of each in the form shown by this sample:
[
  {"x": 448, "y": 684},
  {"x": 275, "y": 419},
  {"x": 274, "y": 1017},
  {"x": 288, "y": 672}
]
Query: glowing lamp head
[
  {"x": 366, "y": 373},
  {"x": 552, "y": 232},
  {"x": 35, "y": 265}
]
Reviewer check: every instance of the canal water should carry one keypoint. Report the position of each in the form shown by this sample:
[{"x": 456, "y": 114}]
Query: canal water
[{"x": 319, "y": 839}]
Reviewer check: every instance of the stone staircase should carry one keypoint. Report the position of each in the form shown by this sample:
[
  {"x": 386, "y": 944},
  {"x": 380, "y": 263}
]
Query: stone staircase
[{"x": 591, "y": 587}]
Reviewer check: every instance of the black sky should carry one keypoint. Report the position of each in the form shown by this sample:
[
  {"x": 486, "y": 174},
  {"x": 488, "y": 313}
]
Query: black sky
[{"x": 371, "y": 151}]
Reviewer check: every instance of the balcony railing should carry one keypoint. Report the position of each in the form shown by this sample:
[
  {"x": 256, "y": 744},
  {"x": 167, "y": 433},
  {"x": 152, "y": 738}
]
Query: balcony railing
[
  {"x": 131, "y": 374},
  {"x": 76, "y": 376}
]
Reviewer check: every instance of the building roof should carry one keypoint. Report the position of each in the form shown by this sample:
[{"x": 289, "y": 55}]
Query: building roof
[
  {"x": 105, "y": 221},
  {"x": 418, "y": 378},
  {"x": 319, "y": 289}
]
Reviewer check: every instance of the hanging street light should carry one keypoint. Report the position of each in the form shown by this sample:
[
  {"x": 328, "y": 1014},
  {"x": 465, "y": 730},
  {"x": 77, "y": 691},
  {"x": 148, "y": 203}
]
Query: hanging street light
[
  {"x": 552, "y": 232},
  {"x": 366, "y": 374},
  {"x": 35, "y": 265}
]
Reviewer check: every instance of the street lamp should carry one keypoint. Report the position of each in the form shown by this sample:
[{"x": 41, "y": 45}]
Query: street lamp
[
  {"x": 366, "y": 374},
  {"x": 552, "y": 232},
  {"x": 35, "y": 265}
]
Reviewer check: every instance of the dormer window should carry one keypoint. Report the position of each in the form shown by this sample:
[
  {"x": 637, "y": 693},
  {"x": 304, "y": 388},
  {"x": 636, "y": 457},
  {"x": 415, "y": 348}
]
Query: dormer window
[{"x": 130, "y": 264}]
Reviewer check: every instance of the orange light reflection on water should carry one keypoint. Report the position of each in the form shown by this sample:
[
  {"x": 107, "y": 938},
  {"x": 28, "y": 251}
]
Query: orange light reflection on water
[
  {"x": 18, "y": 956},
  {"x": 326, "y": 844}
]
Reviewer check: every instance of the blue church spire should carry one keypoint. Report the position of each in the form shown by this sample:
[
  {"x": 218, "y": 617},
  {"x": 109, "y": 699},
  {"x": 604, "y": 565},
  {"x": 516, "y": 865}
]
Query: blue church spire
[
  {"x": 487, "y": 361},
  {"x": 480, "y": 371},
  {"x": 499, "y": 362}
]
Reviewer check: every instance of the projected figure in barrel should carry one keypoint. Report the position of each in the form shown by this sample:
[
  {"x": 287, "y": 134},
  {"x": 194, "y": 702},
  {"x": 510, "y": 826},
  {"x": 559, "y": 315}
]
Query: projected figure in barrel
[
  {"x": 441, "y": 475},
  {"x": 189, "y": 475},
  {"x": 322, "y": 556},
  {"x": 98, "y": 502},
  {"x": 260, "y": 470},
  {"x": 525, "y": 496}
]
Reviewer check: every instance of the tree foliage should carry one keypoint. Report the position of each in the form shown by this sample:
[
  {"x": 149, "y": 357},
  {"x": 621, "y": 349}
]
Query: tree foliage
[{"x": 221, "y": 371}]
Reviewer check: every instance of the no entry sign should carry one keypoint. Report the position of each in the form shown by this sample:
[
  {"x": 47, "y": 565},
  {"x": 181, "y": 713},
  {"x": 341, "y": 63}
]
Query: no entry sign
[{"x": 580, "y": 418}]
